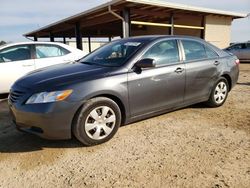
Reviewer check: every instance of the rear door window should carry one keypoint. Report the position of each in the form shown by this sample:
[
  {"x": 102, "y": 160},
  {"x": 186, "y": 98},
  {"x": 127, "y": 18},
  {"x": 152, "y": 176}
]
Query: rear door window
[
  {"x": 194, "y": 50},
  {"x": 46, "y": 50},
  {"x": 15, "y": 53}
]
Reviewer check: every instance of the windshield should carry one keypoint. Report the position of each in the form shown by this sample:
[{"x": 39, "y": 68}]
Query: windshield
[{"x": 114, "y": 54}]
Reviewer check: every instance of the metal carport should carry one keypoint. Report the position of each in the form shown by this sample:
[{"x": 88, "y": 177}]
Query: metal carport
[{"x": 126, "y": 18}]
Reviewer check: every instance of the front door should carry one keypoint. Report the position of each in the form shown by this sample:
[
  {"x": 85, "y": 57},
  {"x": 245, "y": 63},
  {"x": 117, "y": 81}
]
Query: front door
[{"x": 160, "y": 87}]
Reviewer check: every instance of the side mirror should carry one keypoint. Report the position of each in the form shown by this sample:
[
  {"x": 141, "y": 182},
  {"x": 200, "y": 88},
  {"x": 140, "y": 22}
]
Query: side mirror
[{"x": 145, "y": 63}]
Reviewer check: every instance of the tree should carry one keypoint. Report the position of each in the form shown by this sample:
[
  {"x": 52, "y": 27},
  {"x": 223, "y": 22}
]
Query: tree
[{"x": 2, "y": 42}]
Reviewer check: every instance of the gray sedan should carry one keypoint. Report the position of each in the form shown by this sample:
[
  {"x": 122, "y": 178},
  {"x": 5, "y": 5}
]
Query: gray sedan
[
  {"x": 241, "y": 50},
  {"x": 124, "y": 81}
]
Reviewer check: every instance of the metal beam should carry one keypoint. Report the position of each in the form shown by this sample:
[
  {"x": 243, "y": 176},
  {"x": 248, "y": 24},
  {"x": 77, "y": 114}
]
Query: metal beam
[
  {"x": 188, "y": 27},
  {"x": 78, "y": 35},
  {"x": 166, "y": 25},
  {"x": 126, "y": 24}
]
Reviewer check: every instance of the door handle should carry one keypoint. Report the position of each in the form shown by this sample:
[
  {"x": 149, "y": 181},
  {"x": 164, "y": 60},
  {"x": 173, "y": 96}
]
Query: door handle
[
  {"x": 216, "y": 63},
  {"x": 179, "y": 70}
]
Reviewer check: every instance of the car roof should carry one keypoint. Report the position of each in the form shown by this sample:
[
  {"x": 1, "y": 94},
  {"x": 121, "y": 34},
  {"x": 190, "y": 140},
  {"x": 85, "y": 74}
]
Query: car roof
[
  {"x": 145, "y": 37},
  {"x": 156, "y": 37},
  {"x": 29, "y": 42},
  {"x": 165, "y": 36},
  {"x": 240, "y": 42},
  {"x": 152, "y": 38}
]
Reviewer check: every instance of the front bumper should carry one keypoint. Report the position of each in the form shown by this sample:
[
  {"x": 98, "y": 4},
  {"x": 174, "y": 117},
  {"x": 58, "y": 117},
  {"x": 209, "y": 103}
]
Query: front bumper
[{"x": 50, "y": 121}]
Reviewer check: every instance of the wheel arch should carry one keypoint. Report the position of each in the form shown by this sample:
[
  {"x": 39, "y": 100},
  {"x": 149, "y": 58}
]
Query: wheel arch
[
  {"x": 116, "y": 99},
  {"x": 119, "y": 102},
  {"x": 229, "y": 80}
]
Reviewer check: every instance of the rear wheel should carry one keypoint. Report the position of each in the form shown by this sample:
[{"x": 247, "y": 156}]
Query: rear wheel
[
  {"x": 219, "y": 93},
  {"x": 97, "y": 121}
]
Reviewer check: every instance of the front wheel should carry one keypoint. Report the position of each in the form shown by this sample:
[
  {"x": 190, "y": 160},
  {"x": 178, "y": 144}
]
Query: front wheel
[
  {"x": 219, "y": 93},
  {"x": 97, "y": 121}
]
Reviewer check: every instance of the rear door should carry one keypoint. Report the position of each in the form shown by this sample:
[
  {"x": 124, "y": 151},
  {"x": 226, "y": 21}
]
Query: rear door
[
  {"x": 50, "y": 54},
  {"x": 202, "y": 70},
  {"x": 160, "y": 87},
  {"x": 15, "y": 62}
]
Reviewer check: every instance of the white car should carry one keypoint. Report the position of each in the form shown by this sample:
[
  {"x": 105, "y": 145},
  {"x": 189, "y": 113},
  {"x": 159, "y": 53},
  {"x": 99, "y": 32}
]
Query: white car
[{"x": 18, "y": 59}]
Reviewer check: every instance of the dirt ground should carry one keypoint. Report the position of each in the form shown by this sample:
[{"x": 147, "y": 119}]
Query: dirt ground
[{"x": 193, "y": 147}]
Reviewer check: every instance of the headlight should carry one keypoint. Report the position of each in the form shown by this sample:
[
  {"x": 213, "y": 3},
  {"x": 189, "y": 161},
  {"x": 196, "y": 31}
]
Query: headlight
[{"x": 46, "y": 97}]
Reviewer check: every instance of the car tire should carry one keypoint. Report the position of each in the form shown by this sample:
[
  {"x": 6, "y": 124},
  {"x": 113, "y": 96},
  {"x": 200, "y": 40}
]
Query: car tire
[
  {"x": 97, "y": 121},
  {"x": 219, "y": 93}
]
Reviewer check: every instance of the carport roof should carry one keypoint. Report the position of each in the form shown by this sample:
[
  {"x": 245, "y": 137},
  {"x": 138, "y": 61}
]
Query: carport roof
[{"x": 100, "y": 15}]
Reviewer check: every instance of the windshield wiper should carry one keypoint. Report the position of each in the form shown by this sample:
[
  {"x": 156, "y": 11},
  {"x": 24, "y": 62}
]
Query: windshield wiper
[
  {"x": 85, "y": 62},
  {"x": 90, "y": 63}
]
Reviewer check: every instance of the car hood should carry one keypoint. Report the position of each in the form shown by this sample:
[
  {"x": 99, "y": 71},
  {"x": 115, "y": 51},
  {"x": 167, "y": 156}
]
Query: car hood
[{"x": 60, "y": 75}]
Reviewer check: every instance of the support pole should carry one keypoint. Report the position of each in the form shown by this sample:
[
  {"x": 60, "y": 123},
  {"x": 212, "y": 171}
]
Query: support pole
[
  {"x": 203, "y": 25},
  {"x": 171, "y": 20},
  {"x": 64, "y": 40},
  {"x": 126, "y": 24},
  {"x": 78, "y": 35},
  {"x": 89, "y": 41},
  {"x": 35, "y": 38},
  {"x": 51, "y": 36},
  {"x": 110, "y": 39}
]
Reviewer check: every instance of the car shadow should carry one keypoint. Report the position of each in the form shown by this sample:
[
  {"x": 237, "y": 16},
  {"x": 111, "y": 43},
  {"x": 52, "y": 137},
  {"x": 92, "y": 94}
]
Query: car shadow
[
  {"x": 24, "y": 142},
  {"x": 14, "y": 141},
  {"x": 244, "y": 84},
  {"x": 199, "y": 105},
  {"x": 4, "y": 96}
]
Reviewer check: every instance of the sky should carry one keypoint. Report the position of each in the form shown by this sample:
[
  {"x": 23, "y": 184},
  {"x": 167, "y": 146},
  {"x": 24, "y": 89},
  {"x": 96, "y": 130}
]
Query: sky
[{"x": 22, "y": 16}]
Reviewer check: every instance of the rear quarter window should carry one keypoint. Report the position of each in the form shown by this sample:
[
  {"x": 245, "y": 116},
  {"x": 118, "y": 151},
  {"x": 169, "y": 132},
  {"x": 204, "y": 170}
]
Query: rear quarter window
[{"x": 211, "y": 53}]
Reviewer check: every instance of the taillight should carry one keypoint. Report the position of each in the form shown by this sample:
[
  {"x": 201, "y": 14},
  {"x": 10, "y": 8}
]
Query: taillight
[{"x": 237, "y": 61}]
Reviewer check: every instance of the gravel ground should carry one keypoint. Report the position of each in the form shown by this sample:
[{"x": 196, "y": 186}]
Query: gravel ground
[{"x": 193, "y": 147}]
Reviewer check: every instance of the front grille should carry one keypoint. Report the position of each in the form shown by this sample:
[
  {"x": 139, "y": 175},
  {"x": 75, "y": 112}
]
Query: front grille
[{"x": 15, "y": 95}]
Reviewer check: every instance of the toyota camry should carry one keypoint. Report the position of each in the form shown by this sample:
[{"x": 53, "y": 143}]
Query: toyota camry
[{"x": 124, "y": 81}]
